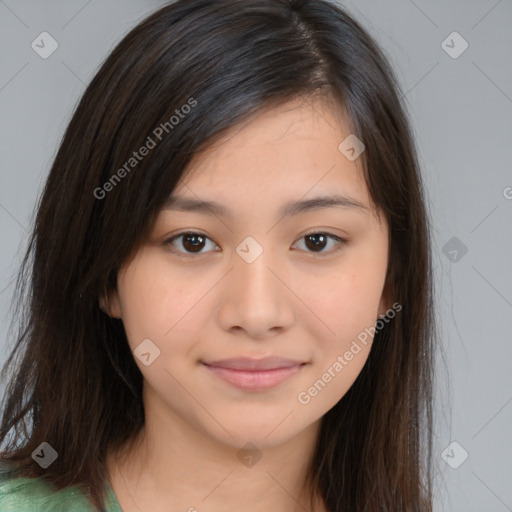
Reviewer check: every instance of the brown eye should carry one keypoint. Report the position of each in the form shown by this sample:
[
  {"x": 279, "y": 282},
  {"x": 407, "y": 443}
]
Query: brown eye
[
  {"x": 316, "y": 242},
  {"x": 191, "y": 243}
]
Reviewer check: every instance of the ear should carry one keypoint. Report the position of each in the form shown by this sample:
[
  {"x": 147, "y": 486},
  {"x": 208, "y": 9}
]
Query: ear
[
  {"x": 109, "y": 303},
  {"x": 386, "y": 301}
]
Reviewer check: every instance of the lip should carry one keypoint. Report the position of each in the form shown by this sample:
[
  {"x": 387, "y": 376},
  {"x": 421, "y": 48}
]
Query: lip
[
  {"x": 254, "y": 374},
  {"x": 253, "y": 364}
]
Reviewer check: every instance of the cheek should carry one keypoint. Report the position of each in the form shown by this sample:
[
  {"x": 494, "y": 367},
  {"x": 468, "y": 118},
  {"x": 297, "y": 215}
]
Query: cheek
[
  {"x": 342, "y": 342},
  {"x": 345, "y": 302},
  {"x": 346, "y": 307},
  {"x": 157, "y": 308},
  {"x": 155, "y": 302}
]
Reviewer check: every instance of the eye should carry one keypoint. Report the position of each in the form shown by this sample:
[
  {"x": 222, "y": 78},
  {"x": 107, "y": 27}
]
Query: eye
[
  {"x": 193, "y": 242},
  {"x": 318, "y": 240}
]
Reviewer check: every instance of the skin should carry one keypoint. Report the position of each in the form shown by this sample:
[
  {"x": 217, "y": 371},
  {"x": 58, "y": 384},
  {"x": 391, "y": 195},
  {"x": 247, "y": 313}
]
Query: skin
[{"x": 292, "y": 301}]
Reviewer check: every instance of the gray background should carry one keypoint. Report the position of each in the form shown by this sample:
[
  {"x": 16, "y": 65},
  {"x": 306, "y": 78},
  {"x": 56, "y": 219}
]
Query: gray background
[{"x": 461, "y": 111}]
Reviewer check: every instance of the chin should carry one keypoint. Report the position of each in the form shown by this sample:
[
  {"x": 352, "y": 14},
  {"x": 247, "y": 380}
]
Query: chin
[{"x": 263, "y": 434}]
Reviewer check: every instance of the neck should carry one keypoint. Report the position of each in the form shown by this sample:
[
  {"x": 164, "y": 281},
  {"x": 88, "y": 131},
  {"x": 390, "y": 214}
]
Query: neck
[{"x": 172, "y": 466}]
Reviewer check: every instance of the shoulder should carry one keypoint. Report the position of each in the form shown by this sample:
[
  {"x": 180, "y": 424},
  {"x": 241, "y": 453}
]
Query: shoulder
[{"x": 21, "y": 494}]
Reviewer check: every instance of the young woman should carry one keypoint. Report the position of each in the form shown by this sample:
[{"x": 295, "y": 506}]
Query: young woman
[{"x": 228, "y": 289}]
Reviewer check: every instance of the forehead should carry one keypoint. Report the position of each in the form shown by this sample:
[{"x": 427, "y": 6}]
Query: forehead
[{"x": 291, "y": 148}]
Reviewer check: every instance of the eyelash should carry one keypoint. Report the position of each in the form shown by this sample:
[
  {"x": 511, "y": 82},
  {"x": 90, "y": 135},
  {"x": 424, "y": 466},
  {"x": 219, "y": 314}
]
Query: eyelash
[{"x": 168, "y": 242}]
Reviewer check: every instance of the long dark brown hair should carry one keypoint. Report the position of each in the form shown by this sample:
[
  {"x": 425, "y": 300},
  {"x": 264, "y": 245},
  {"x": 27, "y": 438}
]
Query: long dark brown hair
[{"x": 74, "y": 383}]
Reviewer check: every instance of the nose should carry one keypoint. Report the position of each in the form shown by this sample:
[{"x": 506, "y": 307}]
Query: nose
[{"x": 256, "y": 298}]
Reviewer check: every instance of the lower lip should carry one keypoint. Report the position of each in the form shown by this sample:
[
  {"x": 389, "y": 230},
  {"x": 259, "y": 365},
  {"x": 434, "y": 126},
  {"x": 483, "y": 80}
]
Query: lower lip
[{"x": 255, "y": 380}]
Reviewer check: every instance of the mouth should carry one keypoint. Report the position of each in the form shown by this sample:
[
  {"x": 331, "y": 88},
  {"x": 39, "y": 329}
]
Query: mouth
[{"x": 254, "y": 374}]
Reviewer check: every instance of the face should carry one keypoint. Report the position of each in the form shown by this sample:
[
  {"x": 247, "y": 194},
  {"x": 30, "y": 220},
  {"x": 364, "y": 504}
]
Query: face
[{"x": 246, "y": 318}]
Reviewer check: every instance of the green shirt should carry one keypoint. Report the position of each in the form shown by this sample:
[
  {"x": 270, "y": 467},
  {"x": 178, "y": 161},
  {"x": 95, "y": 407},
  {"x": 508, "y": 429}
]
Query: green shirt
[{"x": 21, "y": 494}]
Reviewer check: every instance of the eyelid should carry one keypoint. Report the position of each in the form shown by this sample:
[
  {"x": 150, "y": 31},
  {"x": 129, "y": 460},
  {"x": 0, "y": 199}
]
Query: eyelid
[
  {"x": 168, "y": 241},
  {"x": 341, "y": 241}
]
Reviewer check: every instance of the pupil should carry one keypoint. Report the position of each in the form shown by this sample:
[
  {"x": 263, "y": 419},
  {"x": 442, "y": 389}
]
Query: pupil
[
  {"x": 193, "y": 246},
  {"x": 317, "y": 238},
  {"x": 316, "y": 245}
]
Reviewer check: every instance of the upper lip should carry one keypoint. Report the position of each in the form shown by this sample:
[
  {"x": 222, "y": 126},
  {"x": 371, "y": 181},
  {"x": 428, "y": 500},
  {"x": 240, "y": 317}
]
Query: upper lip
[{"x": 247, "y": 363}]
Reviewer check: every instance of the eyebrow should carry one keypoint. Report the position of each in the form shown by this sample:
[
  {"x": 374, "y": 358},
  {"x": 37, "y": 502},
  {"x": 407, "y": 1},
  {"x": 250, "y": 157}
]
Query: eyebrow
[{"x": 291, "y": 208}]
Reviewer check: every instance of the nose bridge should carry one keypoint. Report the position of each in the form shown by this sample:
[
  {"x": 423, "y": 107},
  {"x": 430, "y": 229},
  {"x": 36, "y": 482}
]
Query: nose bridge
[
  {"x": 257, "y": 282},
  {"x": 256, "y": 300}
]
